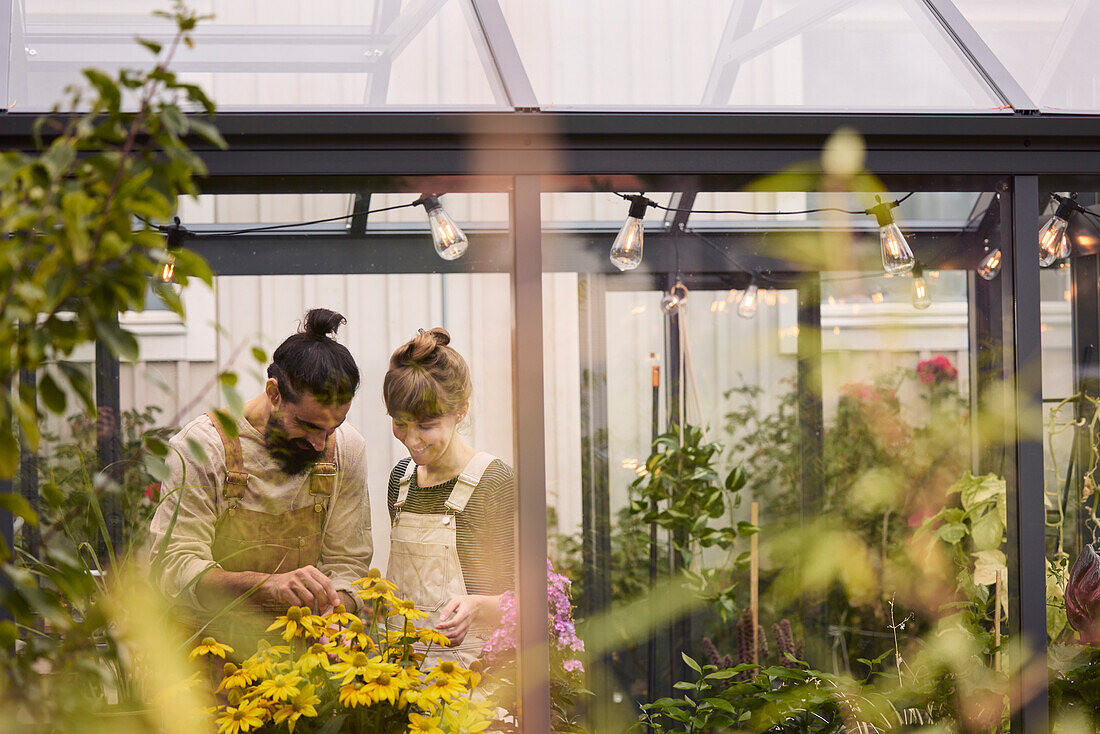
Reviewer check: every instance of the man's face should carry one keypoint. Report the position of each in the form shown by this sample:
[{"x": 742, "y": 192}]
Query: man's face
[{"x": 296, "y": 432}]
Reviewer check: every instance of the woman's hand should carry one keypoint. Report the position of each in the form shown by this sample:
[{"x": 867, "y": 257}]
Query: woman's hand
[{"x": 460, "y": 613}]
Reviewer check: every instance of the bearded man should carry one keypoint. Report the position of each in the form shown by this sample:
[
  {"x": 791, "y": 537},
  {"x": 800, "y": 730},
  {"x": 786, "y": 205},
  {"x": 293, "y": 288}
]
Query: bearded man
[{"x": 273, "y": 510}]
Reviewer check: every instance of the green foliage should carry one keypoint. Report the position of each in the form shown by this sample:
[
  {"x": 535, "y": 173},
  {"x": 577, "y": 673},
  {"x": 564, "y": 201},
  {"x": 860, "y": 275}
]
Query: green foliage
[
  {"x": 75, "y": 492},
  {"x": 71, "y": 259},
  {"x": 681, "y": 492}
]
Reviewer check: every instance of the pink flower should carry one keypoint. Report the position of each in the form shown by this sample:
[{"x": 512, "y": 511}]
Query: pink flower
[
  {"x": 152, "y": 492},
  {"x": 936, "y": 370},
  {"x": 573, "y": 666}
]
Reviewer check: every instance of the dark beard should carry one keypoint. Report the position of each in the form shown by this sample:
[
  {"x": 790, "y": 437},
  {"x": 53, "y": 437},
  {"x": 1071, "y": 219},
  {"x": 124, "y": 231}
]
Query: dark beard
[{"x": 291, "y": 457}]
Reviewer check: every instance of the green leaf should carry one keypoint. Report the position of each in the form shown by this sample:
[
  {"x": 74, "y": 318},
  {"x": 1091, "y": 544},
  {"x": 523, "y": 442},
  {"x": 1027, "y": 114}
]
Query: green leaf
[
  {"x": 228, "y": 378},
  {"x": 951, "y": 532},
  {"x": 151, "y": 45},
  {"x": 156, "y": 467},
  {"x": 227, "y": 423},
  {"x": 121, "y": 342},
  {"x": 721, "y": 703},
  {"x": 19, "y": 507},
  {"x": 105, "y": 86},
  {"x": 691, "y": 663},
  {"x": 156, "y": 446},
  {"x": 9, "y": 453},
  {"x": 259, "y": 355},
  {"x": 53, "y": 397}
]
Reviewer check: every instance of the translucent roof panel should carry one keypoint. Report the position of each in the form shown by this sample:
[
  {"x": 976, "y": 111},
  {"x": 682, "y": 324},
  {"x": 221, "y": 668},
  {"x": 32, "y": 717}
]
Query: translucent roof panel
[
  {"x": 1048, "y": 46},
  {"x": 267, "y": 55},
  {"x": 875, "y": 55}
]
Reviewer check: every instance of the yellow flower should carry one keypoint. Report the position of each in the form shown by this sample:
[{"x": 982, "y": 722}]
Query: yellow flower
[
  {"x": 341, "y": 616},
  {"x": 249, "y": 715},
  {"x": 432, "y": 637},
  {"x": 384, "y": 688},
  {"x": 210, "y": 646},
  {"x": 357, "y": 664},
  {"x": 465, "y": 715},
  {"x": 419, "y": 724},
  {"x": 314, "y": 656},
  {"x": 300, "y": 705},
  {"x": 408, "y": 610},
  {"x": 446, "y": 669},
  {"x": 298, "y": 622},
  {"x": 443, "y": 689},
  {"x": 235, "y": 677},
  {"x": 354, "y": 634},
  {"x": 280, "y": 688},
  {"x": 353, "y": 695}
]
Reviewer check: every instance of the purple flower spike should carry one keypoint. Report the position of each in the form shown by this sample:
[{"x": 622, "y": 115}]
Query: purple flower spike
[{"x": 1083, "y": 595}]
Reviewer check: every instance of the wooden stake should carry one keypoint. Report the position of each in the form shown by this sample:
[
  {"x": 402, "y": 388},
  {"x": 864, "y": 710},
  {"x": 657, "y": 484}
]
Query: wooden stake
[
  {"x": 998, "y": 591},
  {"x": 754, "y": 579}
]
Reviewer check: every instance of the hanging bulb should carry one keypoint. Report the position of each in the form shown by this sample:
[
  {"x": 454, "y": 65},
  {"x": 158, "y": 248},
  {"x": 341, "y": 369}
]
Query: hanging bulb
[
  {"x": 746, "y": 309},
  {"x": 922, "y": 299},
  {"x": 990, "y": 265},
  {"x": 1053, "y": 241},
  {"x": 675, "y": 299},
  {"x": 897, "y": 258},
  {"x": 174, "y": 235},
  {"x": 169, "y": 269},
  {"x": 450, "y": 241},
  {"x": 626, "y": 252}
]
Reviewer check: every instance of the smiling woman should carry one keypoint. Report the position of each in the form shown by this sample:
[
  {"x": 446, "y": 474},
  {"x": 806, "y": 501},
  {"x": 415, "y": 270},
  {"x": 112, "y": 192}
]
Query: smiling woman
[{"x": 452, "y": 545}]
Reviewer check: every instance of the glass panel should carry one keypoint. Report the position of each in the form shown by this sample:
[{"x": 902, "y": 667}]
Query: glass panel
[
  {"x": 292, "y": 513},
  {"x": 862, "y": 421},
  {"x": 1048, "y": 47},
  {"x": 872, "y": 55},
  {"x": 1069, "y": 331},
  {"x": 329, "y": 55}
]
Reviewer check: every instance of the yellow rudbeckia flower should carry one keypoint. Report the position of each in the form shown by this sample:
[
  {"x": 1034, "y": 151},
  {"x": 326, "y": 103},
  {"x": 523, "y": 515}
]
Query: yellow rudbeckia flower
[
  {"x": 298, "y": 622},
  {"x": 432, "y": 637},
  {"x": 443, "y": 689},
  {"x": 247, "y": 716},
  {"x": 280, "y": 688},
  {"x": 210, "y": 646},
  {"x": 384, "y": 688},
  {"x": 419, "y": 724},
  {"x": 303, "y": 704},
  {"x": 353, "y": 695},
  {"x": 341, "y": 616},
  {"x": 407, "y": 609},
  {"x": 357, "y": 664},
  {"x": 235, "y": 677}
]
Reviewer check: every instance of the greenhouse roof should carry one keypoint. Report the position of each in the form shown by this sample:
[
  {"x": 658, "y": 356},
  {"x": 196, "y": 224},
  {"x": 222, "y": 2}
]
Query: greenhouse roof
[{"x": 821, "y": 56}]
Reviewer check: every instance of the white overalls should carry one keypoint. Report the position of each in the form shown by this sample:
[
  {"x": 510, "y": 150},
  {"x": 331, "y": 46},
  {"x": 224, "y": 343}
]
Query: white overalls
[{"x": 424, "y": 561}]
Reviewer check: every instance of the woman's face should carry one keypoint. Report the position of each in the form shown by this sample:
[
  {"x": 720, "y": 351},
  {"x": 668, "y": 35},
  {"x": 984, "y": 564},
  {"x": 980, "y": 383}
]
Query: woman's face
[{"x": 428, "y": 439}]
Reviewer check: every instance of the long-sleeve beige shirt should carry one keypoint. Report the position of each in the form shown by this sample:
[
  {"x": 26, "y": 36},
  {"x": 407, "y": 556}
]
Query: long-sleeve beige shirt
[{"x": 197, "y": 476}]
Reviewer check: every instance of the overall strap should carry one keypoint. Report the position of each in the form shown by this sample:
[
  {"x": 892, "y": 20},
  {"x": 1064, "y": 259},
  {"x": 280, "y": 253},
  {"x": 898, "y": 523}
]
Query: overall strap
[
  {"x": 403, "y": 485},
  {"x": 322, "y": 477},
  {"x": 468, "y": 481},
  {"x": 235, "y": 476}
]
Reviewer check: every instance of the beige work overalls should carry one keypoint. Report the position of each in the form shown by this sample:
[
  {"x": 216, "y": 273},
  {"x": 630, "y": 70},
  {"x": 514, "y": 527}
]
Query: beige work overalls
[
  {"x": 424, "y": 561},
  {"x": 250, "y": 540}
]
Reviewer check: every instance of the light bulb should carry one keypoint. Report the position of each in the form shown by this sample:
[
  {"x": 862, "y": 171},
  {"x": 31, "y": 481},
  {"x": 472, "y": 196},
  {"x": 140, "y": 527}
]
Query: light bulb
[
  {"x": 1053, "y": 240},
  {"x": 169, "y": 269},
  {"x": 450, "y": 241},
  {"x": 746, "y": 309},
  {"x": 990, "y": 265},
  {"x": 626, "y": 252},
  {"x": 922, "y": 299},
  {"x": 897, "y": 258},
  {"x": 675, "y": 299}
]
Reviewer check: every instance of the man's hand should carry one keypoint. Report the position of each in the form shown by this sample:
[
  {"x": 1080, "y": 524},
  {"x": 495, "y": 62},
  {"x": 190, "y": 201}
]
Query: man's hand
[
  {"x": 460, "y": 613},
  {"x": 304, "y": 587}
]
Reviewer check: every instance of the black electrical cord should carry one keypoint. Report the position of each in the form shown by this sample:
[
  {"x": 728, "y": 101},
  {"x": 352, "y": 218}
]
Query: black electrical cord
[
  {"x": 290, "y": 225},
  {"x": 655, "y": 205}
]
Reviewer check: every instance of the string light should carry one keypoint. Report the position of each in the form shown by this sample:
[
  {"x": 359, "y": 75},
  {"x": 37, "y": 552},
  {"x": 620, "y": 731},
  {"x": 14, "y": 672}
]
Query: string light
[
  {"x": 1053, "y": 242},
  {"x": 626, "y": 252},
  {"x": 675, "y": 299},
  {"x": 174, "y": 234},
  {"x": 450, "y": 241},
  {"x": 922, "y": 299},
  {"x": 990, "y": 265},
  {"x": 897, "y": 258},
  {"x": 746, "y": 309}
]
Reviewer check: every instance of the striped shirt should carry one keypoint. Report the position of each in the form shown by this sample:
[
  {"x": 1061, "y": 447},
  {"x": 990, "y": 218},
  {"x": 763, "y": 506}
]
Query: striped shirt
[{"x": 485, "y": 529}]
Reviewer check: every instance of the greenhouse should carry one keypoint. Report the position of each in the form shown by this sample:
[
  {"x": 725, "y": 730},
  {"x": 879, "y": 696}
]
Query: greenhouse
[{"x": 783, "y": 313}]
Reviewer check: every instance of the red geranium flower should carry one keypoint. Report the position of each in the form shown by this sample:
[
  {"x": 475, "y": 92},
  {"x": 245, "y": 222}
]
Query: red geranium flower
[
  {"x": 936, "y": 370},
  {"x": 152, "y": 492}
]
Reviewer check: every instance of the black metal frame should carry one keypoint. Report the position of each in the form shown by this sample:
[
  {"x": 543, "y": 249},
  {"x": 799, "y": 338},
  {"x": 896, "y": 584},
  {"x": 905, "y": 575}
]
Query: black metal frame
[{"x": 524, "y": 154}]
